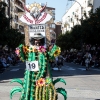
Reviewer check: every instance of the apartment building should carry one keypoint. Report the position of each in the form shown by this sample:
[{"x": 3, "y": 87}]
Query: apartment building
[
  {"x": 53, "y": 29},
  {"x": 14, "y": 11},
  {"x": 58, "y": 28},
  {"x": 18, "y": 10},
  {"x": 50, "y": 26},
  {"x": 73, "y": 15}
]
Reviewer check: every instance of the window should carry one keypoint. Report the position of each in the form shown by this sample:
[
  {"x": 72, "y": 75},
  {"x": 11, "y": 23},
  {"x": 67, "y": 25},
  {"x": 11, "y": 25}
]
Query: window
[
  {"x": 53, "y": 17},
  {"x": 53, "y": 11},
  {"x": 71, "y": 19},
  {"x": 16, "y": 10},
  {"x": 52, "y": 25},
  {"x": 90, "y": 2},
  {"x": 16, "y": 18},
  {"x": 16, "y": 26},
  {"x": 53, "y": 35},
  {"x": 21, "y": 28},
  {"x": 51, "y": 30},
  {"x": 47, "y": 25},
  {"x": 11, "y": 7}
]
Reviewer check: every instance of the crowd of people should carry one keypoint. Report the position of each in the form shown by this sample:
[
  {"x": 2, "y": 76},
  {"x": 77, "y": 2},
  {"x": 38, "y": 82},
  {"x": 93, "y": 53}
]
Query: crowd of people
[
  {"x": 7, "y": 59},
  {"x": 89, "y": 56}
]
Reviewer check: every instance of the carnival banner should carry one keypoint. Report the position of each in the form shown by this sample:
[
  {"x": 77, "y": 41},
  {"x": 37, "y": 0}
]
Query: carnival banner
[{"x": 35, "y": 14}]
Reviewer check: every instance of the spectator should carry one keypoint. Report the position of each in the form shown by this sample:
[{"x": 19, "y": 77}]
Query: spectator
[
  {"x": 9, "y": 59},
  {"x": 60, "y": 62},
  {"x": 4, "y": 62}
]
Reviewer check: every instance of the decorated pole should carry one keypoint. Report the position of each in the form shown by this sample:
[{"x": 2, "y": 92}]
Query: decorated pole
[
  {"x": 38, "y": 83},
  {"x": 26, "y": 30}
]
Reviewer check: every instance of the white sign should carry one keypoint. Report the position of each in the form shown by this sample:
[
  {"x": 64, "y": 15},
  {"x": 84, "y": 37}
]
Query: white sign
[
  {"x": 37, "y": 28},
  {"x": 32, "y": 65},
  {"x": 35, "y": 14},
  {"x": 40, "y": 28}
]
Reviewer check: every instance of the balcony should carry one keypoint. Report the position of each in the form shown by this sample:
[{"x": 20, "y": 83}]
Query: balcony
[
  {"x": 90, "y": 3},
  {"x": 21, "y": 28},
  {"x": 23, "y": 1},
  {"x": 19, "y": 5},
  {"x": 20, "y": 8}
]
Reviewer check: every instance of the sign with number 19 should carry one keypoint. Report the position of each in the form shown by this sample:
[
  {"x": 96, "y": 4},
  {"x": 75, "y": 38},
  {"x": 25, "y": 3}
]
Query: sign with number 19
[{"x": 32, "y": 65}]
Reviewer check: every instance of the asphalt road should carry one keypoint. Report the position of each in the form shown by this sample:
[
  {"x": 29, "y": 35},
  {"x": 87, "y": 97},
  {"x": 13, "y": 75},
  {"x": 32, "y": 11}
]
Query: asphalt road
[{"x": 81, "y": 84}]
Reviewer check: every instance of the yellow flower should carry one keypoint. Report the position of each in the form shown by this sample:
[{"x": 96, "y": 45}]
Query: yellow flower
[
  {"x": 57, "y": 52},
  {"x": 25, "y": 49},
  {"x": 48, "y": 80},
  {"x": 34, "y": 49}
]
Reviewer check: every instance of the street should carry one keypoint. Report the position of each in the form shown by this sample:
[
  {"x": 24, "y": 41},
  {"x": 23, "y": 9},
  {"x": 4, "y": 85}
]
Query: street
[{"x": 81, "y": 84}]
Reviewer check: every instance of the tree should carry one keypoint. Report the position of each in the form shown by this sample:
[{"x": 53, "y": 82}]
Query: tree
[
  {"x": 88, "y": 32},
  {"x": 10, "y": 37},
  {"x": 91, "y": 28},
  {"x": 76, "y": 37},
  {"x": 4, "y": 21},
  {"x": 14, "y": 38},
  {"x": 64, "y": 41}
]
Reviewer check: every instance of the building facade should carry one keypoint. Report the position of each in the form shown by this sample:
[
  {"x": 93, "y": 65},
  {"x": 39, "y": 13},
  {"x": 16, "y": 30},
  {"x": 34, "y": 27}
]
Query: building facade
[
  {"x": 16, "y": 9},
  {"x": 58, "y": 30},
  {"x": 13, "y": 11},
  {"x": 73, "y": 15},
  {"x": 50, "y": 26}
]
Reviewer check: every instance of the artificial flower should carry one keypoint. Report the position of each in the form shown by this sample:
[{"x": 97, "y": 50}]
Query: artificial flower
[
  {"x": 57, "y": 52},
  {"x": 17, "y": 51},
  {"x": 42, "y": 49},
  {"x": 34, "y": 49},
  {"x": 48, "y": 80},
  {"x": 25, "y": 49},
  {"x": 40, "y": 82}
]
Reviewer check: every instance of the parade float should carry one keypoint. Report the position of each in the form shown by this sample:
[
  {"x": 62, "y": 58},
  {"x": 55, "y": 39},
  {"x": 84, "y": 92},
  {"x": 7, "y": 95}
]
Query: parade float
[{"x": 38, "y": 83}]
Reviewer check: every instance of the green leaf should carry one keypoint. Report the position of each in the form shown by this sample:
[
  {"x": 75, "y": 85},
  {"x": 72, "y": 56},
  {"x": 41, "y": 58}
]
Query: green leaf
[
  {"x": 59, "y": 80},
  {"x": 17, "y": 80},
  {"x": 15, "y": 90},
  {"x": 63, "y": 92}
]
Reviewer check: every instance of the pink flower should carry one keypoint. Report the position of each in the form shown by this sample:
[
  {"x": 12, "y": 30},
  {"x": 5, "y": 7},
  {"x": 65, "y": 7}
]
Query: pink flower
[
  {"x": 40, "y": 82},
  {"x": 42, "y": 49},
  {"x": 17, "y": 51}
]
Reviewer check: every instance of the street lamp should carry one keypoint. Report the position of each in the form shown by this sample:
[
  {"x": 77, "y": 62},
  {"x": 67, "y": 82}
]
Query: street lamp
[{"x": 79, "y": 4}]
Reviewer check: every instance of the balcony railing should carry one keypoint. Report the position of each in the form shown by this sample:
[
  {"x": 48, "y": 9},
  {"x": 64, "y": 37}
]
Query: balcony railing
[
  {"x": 23, "y": 1},
  {"x": 19, "y": 5}
]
